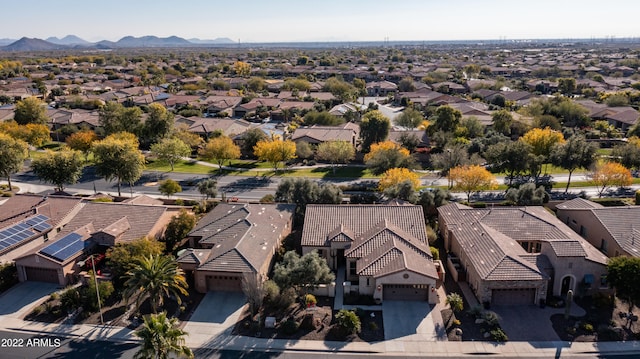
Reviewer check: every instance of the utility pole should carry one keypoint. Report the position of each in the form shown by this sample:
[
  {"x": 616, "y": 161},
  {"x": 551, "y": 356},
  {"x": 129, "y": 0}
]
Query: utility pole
[{"x": 95, "y": 278}]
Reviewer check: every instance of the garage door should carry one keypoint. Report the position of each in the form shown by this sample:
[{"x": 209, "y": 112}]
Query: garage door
[
  {"x": 42, "y": 275},
  {"x": 225, "y": 283},
  {"x": 513, "y": 296},
  {"x": 405, "y": 292}
]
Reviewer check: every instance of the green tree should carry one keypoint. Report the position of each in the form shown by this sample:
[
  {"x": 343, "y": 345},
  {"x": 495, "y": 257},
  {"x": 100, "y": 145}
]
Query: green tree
[
  {"x": 122, "y": 256},
  {"x": 208, "y": 188},
  {"x": 169, "y": 187},
  {"x": 114, "y": 117},
  {"x": 250, "y": 138},
  {"x": 118, "y": 157},
  {"x": 374, "y": 128},
  {"x": 158, "y": 277},
  {"x": 623, "y": 274},
  {"x": 628, "y": 155},
  {"x": 178, "y": 228},
  {"x": 446, "y": 119},
  {"x": 335, "y": 152},
  {"x": 470, "y": 128},
  {"x": 59, "y": 168},
  {"x": 528, "y": 195},
  {"x": 170, "y": 150},
  {"x": 158, "y": 125},
  {"x": 162, "y": 338},
  {"x": 323, "y": 118},
  {"x": 303, "y": 191},
  {"x": 575, "y": 153},
  {"x": 304, "y": 150},
  {"x": 410, "y": 118},
  {"x": 341, "y": 89},
  {"x": 220, "y": 149},
  {"x": 510, "y": 157},
  {"x": 302, "y": 273},
  {"x": 275, "y": 151},
  {"x": 13, "y": 153},
  {"x": 31, "y": 110},
  {"x": 502, "y": 121},
  {"x": 567, "y": 86}
]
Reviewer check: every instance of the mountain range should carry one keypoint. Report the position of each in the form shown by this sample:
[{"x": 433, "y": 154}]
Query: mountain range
[{"x": 75, "y": 42}]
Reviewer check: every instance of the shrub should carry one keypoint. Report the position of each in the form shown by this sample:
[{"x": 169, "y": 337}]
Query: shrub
[
  {"x": 456, "y": 322},
  {"x": 348, "y": 320},
  {"x": 309, "y": 322},
  {"x": 179, "y": 202},
  {"x": 287, "y": 297},
  {"x": 432, "y": 237},
  {"x": 289, "y": 327},
  {"x": 435, "y": 253},
  {"x": 310, "y": 300},
  {"x": 602, "y": 300},
  {"x": 7, "y": 194},
  {"x": 70, "y": 299},
  {"x": 476, "y": 311},
  {"x": 38, "y": 310},
  {"x": 373, "y": 326},
  {"x": 491, "y": 318},
  {"x": 54, "y": 296},
  {"x": 498, "y": 335},
  {"x": 637, "y": 197},
  {"x": 587, "y": 327},
  {"x": 267, "y": 198},
  {"x": 271, "y": 291}
]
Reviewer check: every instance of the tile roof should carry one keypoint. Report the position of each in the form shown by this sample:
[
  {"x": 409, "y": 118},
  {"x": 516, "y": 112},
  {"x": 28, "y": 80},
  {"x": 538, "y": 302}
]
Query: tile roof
[
  {"x": 111, "y": 217},
  {"x": 622, "y": 224},
  {"x": 320, "y": 220},
  {"x": 21, "y": 206},
  {"x": 489, "y": 238},
  {"x": 241, "y": 237},
  {"x": 579, "y": 203}
]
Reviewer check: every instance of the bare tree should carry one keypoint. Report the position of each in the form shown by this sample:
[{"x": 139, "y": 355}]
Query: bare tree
[{"x": 253, "y": 288}]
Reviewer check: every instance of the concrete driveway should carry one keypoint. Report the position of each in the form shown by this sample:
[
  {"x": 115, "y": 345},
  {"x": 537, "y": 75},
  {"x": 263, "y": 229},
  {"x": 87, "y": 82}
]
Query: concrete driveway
[
  {"x": 531, "y": 323},
  {"x": 411, "y": 318},
  {"x": 217, "y": 313},
  {"x": 23, "y": 297}
]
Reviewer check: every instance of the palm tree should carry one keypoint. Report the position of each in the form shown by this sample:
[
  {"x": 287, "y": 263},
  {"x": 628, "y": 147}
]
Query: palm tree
[
  {"x": 159, "y": 277},
  {"x": 161, "y": 336}
]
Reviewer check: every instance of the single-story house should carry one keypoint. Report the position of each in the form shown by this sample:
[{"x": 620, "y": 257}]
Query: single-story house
[
  {"x": 613, "y": 230},
  {"x": 28, "y": 220},
  {"x": 234, "y": 240},
  {"x": 95, "y": 223},
  {"x": 382, "y": 250},
  {"x": 318, "y": 134},
  {"x": 518, "y": 255}
]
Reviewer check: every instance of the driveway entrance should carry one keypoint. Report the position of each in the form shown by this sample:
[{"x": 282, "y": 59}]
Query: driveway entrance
[
  {"x": 23, "y": 297},
  {"x": 407, "y": 318}
]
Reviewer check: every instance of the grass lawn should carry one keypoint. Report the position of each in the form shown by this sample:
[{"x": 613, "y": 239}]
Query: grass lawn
[
  {"x": 320, "y": 172},
  {"x": 604, "y": 151},
  {"x": 182, "y": 166}
]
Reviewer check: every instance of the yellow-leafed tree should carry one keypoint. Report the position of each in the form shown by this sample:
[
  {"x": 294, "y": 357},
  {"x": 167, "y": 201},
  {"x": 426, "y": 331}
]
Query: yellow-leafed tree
[
  {"x": 395, "y": 176},
  {"x": 82, "y": 141},
  {"x": 275, "y": 151},
  {"x": 220, "y": 149},
  {"x": 542, "y": 140},
  {"x": 470, "y": 179},
  {"x": 242, "y": 69},
  {"x": 611, "y": 174},
  {"x": 385, "y": 155}
]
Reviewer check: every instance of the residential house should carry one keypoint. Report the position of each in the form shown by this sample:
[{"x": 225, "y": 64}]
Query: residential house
[
  {"x": 318, "y": 134},
  {"x": 28, "y": 220},
  {"x": 381, "y": 249},
  {"x": 94, "y": 224},
  {"x": 381, "y": 88},
  {"x": 518, "y": 255},
  {"x": 613, "y": 230},
  {"x": 234, "y": 240}
]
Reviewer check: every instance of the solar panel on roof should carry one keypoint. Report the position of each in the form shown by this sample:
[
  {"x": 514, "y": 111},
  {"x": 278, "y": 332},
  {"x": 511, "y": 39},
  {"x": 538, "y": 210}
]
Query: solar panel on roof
[{"x": 65, "y": 247}]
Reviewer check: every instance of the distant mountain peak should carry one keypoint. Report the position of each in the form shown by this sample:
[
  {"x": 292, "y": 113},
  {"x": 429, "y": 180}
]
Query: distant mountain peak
[{"x": 68, "y": 40}]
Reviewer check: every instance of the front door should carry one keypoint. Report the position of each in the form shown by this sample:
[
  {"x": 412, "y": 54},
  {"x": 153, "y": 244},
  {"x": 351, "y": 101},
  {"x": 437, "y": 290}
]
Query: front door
[{"x": 566, "y": 285}]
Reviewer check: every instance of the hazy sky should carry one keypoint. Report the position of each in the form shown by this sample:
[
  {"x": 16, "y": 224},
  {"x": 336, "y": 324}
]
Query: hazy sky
[{"x": 325, "y": 20}]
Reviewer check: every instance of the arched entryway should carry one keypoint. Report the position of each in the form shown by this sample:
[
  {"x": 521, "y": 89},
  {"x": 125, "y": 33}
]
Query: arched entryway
[{"x": 567, "y": 284}]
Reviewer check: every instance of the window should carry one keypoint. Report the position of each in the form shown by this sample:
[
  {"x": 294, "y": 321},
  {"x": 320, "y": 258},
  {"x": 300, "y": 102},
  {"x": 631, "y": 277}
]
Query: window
[
  {"x": 352, "y": 268},
  {"x": 570, "y": 265},
  {"x": 368, "y": 282},
  {"x": 583, "y": 231},
  {"x": 603, "y": 246},
  {"x": 603, "y": 280}
]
